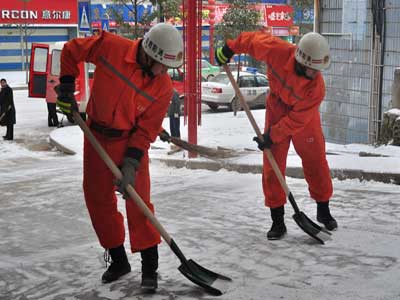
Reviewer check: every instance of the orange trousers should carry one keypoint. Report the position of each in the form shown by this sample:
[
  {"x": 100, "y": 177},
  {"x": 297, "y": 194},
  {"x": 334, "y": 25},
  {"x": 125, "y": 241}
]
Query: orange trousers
[
  {"x": 310, "y": 146},
  {"x": 101, "y": 199}
]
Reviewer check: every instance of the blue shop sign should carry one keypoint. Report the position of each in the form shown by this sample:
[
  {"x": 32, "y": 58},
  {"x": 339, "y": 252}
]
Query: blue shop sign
[{"x": 303, "y": 15}]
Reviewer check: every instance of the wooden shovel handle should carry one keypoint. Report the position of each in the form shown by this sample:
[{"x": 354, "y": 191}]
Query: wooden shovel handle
[
  {"x": 117, "y": 173},
  {"x": 268, "y": 152}
]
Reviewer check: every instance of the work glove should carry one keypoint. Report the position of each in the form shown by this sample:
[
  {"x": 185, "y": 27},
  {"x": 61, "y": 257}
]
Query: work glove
[
  {"x": 65, "y": 95},
  {"x": 223, "y": 55},
  {"x": 165, "y": 136},
  {"x": 266, "y": 144},
  {"x": 128, "y": 170}
]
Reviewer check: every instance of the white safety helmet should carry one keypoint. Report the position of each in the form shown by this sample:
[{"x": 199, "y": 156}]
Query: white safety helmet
[
  {"x": 164, "y": 43},
  {"x": 313, "y": 51}
]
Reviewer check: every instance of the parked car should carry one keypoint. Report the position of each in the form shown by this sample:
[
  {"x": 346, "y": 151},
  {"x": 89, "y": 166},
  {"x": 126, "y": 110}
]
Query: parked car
[
  {"x": 208, "y": 71},
  {"x": 177, "y": 77},
  {"x": 219, "y": 91}
]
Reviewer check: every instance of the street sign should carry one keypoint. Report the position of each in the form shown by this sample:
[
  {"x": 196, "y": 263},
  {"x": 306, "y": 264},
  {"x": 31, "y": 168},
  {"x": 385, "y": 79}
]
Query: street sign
[{"x": 84, "y": 16}]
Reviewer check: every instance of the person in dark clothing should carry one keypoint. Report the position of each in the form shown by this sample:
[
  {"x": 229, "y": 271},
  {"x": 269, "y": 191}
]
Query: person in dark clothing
[
  {"x": 52, "y": 118},
  {"x": 7, "y": 109},
  {"x": 174, "y": 112}
]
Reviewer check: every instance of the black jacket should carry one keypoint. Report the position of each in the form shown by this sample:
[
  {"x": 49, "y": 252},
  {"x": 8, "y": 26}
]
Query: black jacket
[
  {"x": 7, "y": 106},
  {"x": 175, "y": 106}
]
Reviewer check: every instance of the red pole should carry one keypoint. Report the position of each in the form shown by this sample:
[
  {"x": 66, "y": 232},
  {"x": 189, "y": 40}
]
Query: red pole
[
  {"x": 190, "y": 71},
  {"x": 199, "y": 56}
]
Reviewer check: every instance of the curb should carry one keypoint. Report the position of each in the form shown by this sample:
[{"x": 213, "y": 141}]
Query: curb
[
  {"x": 19, "y": 88},
  {"x": 392, "y": 178},
  {"x": 295, "y": 172}
]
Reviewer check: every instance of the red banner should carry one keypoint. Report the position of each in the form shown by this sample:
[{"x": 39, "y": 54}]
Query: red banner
[
  {"x": 279, "y": 15},
  {"x": 112, "y": 24},
  {"x": 49, "y": 12},
  {"x": 220, "y": 10}
]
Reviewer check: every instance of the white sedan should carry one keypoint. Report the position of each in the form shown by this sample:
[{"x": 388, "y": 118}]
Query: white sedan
[{"x": 219, "y": 91}]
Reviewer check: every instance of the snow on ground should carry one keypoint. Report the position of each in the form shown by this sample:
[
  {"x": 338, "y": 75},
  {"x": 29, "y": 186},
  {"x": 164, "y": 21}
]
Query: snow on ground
[
  {"x": 50, "y": 251},
  {"x": 225, "y": 130}
]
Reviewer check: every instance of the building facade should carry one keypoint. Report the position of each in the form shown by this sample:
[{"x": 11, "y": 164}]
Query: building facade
[
  {"x": 364, "y": 36},
  {"x": 23, "y": 23}
]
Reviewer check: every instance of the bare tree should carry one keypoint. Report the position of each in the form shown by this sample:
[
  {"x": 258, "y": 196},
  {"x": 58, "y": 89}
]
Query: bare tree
[
  {"x": 163, "y": 9},
  {"x": 26, "y": 30}
]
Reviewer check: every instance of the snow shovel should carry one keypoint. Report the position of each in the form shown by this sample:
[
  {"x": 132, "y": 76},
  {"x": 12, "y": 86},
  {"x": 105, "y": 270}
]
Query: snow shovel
[
  {"x": 201, "y": 276},
  {"x": 201, "y": 150},
  {"x": 308, "y": 226}
]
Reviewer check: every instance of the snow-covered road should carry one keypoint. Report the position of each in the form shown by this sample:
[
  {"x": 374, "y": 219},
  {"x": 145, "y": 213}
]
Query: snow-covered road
[{"x": 49, "y": 250}]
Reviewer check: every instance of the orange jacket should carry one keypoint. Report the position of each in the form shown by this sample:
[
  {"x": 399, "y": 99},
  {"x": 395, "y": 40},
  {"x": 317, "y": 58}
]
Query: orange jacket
[
  {"x": 141, "y": 102},
  {"x": 302, "y": 96}
]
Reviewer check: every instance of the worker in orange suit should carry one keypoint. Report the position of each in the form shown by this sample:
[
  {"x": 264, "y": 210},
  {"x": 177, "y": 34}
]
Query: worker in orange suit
[
  {"x": 129, "y": 99},
  {"x": 296, "y": 91}
]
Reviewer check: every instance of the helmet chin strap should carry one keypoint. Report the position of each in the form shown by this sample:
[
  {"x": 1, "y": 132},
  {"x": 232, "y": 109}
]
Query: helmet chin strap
[
  {"x": 147, "y": 64},
  {"x": 301, "y": 70}
]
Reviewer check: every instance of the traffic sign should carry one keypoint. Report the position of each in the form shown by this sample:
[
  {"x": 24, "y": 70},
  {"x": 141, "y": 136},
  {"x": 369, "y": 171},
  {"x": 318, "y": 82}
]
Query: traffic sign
[{"x": 84, "y": 16}]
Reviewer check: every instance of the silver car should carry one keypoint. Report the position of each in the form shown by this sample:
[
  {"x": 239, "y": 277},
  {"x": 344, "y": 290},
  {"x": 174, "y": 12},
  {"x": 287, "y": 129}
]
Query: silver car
[{"x": 219, "y": 91}]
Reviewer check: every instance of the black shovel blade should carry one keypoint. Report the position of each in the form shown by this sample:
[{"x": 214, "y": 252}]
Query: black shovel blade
[
  {"x": 312, "y": 229},
  {"x": 209, "y": 280}
]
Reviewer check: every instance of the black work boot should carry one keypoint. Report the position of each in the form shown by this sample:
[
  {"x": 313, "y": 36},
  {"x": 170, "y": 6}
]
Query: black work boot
[
  {"x": 119, "y": 265},
  {"x": 149, "y": 268},
  {"x": 324, "y": 216},
  {"x": 278, "y": 228}
]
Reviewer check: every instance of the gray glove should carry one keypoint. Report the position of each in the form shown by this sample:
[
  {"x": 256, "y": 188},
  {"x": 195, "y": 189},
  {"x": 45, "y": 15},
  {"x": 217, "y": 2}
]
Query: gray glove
[{"x": 128, "y": 170}]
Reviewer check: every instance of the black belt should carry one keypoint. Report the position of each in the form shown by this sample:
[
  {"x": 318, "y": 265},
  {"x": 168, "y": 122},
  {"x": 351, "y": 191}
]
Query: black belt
[{"x": 110, "y": 132}]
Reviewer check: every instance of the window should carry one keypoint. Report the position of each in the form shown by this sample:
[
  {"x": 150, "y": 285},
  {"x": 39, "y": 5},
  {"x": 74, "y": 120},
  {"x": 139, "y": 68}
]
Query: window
[
  {"x": 55, "y": 62},
  {"x": 40, "y": 59},
  {"x": 175, "y": 75},
  {"x": 247, "y": 81},
  {"x": 262, "y": 81},
  {"x": 205, "y": 64},
  {"x": 221, "y": 78}
]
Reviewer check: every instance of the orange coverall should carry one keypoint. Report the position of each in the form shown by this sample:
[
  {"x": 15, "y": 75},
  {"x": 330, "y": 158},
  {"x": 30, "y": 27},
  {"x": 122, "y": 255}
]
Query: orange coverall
[
  {"x": 114, "y": 103},
  {"x": 291, "y": 114}
]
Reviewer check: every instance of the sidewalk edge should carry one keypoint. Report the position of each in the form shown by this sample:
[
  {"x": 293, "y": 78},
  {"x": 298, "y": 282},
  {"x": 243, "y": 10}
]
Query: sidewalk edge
[{"x": 295, "y": 172}]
